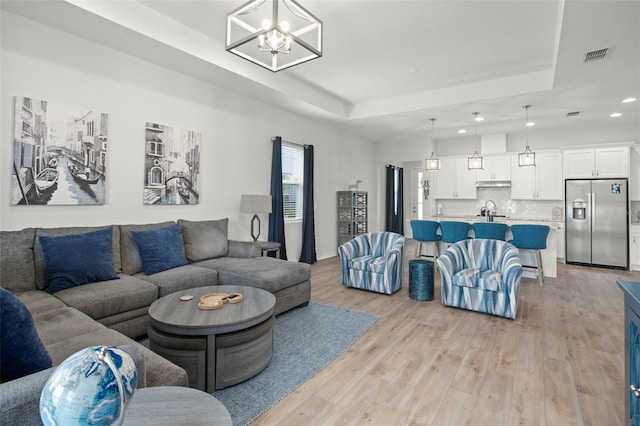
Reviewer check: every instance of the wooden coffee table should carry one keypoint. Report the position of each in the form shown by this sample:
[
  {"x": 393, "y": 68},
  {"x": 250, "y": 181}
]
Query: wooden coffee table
[{"x": 176, "y": 320}]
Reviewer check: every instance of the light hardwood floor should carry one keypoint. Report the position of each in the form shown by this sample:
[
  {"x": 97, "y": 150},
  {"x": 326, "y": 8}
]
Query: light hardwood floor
[{"x": 560, "y": 362}]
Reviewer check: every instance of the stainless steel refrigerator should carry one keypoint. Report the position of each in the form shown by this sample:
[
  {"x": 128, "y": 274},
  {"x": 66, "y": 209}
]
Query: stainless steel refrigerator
[{"x": 597, "y": 223}]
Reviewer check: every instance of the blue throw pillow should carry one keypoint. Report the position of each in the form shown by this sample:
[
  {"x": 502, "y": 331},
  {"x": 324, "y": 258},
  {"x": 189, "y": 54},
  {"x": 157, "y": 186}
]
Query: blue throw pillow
[
  {"x": 160, "y": 249},
  {"x": 22, "y": 350},
  {"x": 77, "y": 259}
]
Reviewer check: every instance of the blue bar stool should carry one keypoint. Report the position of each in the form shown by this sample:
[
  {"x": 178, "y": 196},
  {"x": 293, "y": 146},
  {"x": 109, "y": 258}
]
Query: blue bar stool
[
  {"x": 425, "y": 231},
  {"x": 453, "y": 231},
  {"x": 490, "y": 230},
  {"x": 531, "y": 237}
]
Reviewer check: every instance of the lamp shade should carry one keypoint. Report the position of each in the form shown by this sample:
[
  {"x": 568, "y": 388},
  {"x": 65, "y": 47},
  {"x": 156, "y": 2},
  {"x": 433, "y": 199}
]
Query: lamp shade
[{"x": 255, "y": 203}]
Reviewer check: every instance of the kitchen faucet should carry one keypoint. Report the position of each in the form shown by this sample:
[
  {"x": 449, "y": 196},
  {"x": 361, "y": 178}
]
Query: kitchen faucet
[{"x": 490, "y": 207}]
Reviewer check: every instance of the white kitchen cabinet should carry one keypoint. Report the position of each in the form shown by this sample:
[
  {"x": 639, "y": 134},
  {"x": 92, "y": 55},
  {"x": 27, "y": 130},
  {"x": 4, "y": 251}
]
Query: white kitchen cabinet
[
  {"x": 495, "y": 168},
  {"x": 542, "y": 182},
  {"x": 455, "y": 180},
  {"x": 634, "y": 176},
  {"x": 634, "y": 248},
  {"x": 603, "y": 162},
  {"x": 560, "y": 246}
]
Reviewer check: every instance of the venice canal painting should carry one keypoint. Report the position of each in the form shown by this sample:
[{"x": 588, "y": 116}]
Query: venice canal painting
[
  {"x": 59, "y": 154},
  {"x": 172, "y": 165}
]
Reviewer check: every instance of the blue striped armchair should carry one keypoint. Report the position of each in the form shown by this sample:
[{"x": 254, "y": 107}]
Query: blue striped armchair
[
  {"x": 481, "y": 275},
  {"x": 373, "y": 262}
]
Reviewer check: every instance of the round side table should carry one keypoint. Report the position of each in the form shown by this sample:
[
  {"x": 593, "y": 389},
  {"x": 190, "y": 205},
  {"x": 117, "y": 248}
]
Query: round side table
[
  {"x": 269, "y": 246},
  {"x": 421, "y": 280}
]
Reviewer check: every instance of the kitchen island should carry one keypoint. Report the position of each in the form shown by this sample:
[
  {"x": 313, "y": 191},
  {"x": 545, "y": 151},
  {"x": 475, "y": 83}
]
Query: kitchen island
[{"x": 549, "y": 255}]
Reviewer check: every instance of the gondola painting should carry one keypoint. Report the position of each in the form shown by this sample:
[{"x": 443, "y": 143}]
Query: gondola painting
[
  {"x": 59, "y": 154},
  {"x": 172, "y": 165}
]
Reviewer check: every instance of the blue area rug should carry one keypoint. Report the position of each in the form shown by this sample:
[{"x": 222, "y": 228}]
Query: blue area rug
[{"x": 305, "y": 341}]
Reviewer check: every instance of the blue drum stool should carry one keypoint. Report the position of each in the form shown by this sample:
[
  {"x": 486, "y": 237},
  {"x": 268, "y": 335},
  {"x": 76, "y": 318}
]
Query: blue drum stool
[{"x": 420, "y": 280}]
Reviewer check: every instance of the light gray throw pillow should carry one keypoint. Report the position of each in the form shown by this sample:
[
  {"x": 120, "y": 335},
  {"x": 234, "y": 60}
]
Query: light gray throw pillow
[{"x": 206, "y": 239}]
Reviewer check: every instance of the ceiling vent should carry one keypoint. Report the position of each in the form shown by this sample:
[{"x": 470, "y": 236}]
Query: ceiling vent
[
  {"x": 573, "y": 114},
  {"x": 596, "y": 55}
]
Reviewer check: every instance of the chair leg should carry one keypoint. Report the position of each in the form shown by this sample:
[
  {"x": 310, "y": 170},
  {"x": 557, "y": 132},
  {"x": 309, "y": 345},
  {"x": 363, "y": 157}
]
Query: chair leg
[
  {"x": 540, "y": 270},
  {"x": 418, "y": 252}
]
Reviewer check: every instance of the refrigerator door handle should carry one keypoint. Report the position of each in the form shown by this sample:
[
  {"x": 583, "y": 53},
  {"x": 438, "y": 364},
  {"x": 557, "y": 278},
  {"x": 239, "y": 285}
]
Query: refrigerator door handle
[{"x": 592, "y": 205}]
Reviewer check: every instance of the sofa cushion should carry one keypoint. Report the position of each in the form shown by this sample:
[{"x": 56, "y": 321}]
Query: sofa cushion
[
  {"x": 22, "y": 352},
  {"x": 78, "y": 259},
  {"x": 160, "y": 249},
  {"x": 181, "y": 278},
  {"x": 63, "y": 324},
  {"x": 205, "y": 239},
  {"x": 369, "y": 263},
  {"x": 266, "y": 273},
  {"x": 38, "y": 301},
  {"x": 17, "y": 271},
  {"x": 482, "y": 279},
  {"x": 38, "y": 254},
  {"x": 131, "y": 262},
  {"x": 105, "y": 299}
]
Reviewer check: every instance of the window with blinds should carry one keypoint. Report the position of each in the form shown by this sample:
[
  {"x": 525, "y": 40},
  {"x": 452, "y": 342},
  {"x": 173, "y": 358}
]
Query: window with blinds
[{"x": 292, "y": 180}]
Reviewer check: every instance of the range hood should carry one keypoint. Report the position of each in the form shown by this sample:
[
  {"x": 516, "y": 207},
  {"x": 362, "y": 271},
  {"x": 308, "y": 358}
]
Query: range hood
[{"x": 493, "y": 184}]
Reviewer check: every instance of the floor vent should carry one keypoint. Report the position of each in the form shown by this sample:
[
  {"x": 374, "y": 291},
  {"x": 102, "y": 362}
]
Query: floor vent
[
  {"x": 595, "y": 55},
  {"x": 573, "y": 114}
]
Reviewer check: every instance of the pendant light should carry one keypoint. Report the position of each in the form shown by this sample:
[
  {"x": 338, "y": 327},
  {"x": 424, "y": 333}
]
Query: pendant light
[
  {"x": 527, "y": 158},
  {"x": 476, "y": 162},
  {"x": 432, "y": 163}
]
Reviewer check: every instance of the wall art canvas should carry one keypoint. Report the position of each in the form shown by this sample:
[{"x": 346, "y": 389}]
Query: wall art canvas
[
  {"x": 172, "y": 165},
  {"x": 59, "y": 154}
]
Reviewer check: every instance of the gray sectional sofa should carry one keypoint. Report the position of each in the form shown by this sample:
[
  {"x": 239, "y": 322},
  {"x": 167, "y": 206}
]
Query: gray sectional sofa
[{"x": 114, "y": 312}]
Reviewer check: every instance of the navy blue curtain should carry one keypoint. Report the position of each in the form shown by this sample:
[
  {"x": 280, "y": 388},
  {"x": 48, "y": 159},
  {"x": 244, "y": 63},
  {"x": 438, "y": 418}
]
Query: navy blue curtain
[
  {"x": 276, "y": 217},
  {"x": 308, "y": 254},
  {"x": 399, "y": 219},
  {"x": 394, "y": 220}
]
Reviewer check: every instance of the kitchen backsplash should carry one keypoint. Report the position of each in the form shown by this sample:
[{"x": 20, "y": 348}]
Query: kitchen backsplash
[
  {"x": 635, "y": 212},
  {"x": 529, "y": 209}
]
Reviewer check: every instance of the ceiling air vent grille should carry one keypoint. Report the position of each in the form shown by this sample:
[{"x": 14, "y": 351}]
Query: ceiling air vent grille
[
  {"x": 573, "y": 114},
  {"x": 595, "y": 55}
]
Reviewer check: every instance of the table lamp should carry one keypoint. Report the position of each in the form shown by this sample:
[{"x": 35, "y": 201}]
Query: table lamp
[{"x": 255, "y": 204}]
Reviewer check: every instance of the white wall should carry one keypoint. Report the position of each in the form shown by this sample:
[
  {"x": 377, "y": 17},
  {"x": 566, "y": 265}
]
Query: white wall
[{"x": 41, "y": 62}]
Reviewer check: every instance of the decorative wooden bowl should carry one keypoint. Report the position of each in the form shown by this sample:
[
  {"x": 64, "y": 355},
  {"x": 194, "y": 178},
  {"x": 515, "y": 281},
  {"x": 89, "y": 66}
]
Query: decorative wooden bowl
[{"x": 218, "y": 300}]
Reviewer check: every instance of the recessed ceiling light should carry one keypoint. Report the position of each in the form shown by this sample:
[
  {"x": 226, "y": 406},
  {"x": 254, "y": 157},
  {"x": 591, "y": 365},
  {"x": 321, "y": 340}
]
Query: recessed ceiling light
[
  {"x": 530, "y": 124},
  {"x": 461, "y": 131},
  {"x": 615, "y": 114},
  {"x": 479, "y": 118},
  {"x": 414, "y": 69},
  {"x": 628, "y": 100}
]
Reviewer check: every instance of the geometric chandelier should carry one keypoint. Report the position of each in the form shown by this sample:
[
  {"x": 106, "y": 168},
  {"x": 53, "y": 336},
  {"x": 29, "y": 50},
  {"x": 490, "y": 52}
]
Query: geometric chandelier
[{"x": 275, "y": 34}]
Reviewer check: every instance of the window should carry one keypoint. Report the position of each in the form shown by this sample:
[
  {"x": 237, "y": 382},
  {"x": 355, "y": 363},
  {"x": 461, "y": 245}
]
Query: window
[
  {"x": 292, "y": 180},
  {"x": 154, "y": 148}
]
